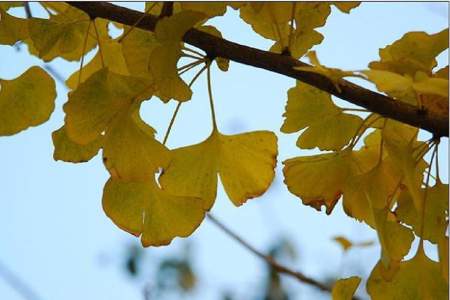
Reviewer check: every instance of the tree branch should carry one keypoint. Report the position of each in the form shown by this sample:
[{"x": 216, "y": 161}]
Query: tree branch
[
  {"x": 268, "y": 259},
  {"x": 214, "y": 46},
  {"x": 19, "y": 285}
]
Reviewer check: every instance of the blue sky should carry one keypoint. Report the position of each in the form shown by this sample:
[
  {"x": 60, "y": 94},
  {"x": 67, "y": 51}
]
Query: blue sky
[{"x": 55, "y": 235}]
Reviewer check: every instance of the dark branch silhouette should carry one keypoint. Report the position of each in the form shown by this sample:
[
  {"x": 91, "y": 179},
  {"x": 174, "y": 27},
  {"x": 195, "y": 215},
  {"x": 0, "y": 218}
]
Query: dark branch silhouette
[{"x": 282, "y": 64}]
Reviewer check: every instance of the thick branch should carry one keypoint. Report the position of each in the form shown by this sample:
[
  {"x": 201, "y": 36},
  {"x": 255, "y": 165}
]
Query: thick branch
[{"x": 214, "y": 46}]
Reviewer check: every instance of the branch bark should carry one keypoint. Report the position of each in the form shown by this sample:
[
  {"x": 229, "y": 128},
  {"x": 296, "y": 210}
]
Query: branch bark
[{"x": 437, "y": 124}]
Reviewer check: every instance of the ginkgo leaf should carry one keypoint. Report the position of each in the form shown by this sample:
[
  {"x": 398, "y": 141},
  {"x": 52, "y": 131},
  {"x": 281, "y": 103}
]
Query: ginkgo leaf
[
  {"x": 395, "y": 239},
  {"x": 301, "y": 42},
  {"x": 111, "y": 56},
  {"x": 436, "y": 212},
  {"x": 69, "y": 151},
  {"x": 211, "y": 9},
  {"x": 108, "y": 104},
  {"x": 372, "y": 190},
  {"x": 320, "y": 179},
  {"x": 7, "y": 5},
  {"x": 415, "y": 51},
  {"x": 330, "y": 133},
  {"x": 163, "y": 60},
  {"x": 343, "y": 242},
  {"x": 401, "y": 145},
  {"x": 12, "y": 29},
  {"x": 136, "y": 48},
  {"x": 93, "y": 106},
  {"x": 269, "y": 19},
  {"x": 328, "y": 127},
  {"x": 344, "y": 289},
  {"x": 393, "y": 84},
  {"x": 432, "y": 86},
  {"x": 26, "y": 101},
  {"x": 144, "y": 210},
  {"x": 62, "y": 35},
  {"x": 138, "y": 162},
  {"x": 346, "y": 7},
  {"x": 273, "y": 21},
  {"x": 245, "y": 163},
  {"x": 418, "y": 278},
  {"x": 346, "y": 244}
]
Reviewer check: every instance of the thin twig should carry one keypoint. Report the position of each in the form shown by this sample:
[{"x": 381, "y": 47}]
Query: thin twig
[
  {"x": 27, "y": 10},
  {"x": 18, "y": 284},
  {"x": 268, "y": 259}
]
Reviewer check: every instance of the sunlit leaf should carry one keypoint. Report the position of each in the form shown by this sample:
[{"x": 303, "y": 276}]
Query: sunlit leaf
[
  {"x": 245, "y": 163},
  {"x": 415, "y": 51},
  {"x": 144, "y": 210},
  {"x": 26, "y": 101},
  {"x": 69, "y": 151},
  {"x": 418, "y": 278},
  {"x": 344, "y": 289}
]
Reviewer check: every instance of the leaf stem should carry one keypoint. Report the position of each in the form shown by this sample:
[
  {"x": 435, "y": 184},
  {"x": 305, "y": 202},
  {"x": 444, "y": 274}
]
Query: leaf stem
[
  {"x": 190, "y": 65},
  {"x": 82, "y": 53},
  {"x": 175, "y": 113},
  {"x": 422, "y": 224},
  {"x": 99, "y": 44},
  {"x": 211, "y": 101},
  {"x": 190, "y": 56},
  {"x": 192, "y": 51}
]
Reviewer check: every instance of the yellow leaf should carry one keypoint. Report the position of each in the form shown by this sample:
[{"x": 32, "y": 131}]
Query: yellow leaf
[
  {"x": 107, "y": 104},
  {"x": 26, "y": 101},
  {"x": 395, "y": 239},
  {"x": 143, "y": 159},
  {"x": 328, "y": 127},
  {"x": 171, "y": 29},
  {"x": 163, "y": 59},
  {"x": 330, "y": 133},
  {"x": 436, "y": 212},
  {"x": 301, "y": 42},
  {"x": 433, "y": 86},
  {"x": 69, "y": 151},
  {"x": 144, "y": 210},
  {"x": 344, "y": 289},
  {"x": 343, "y": 242},
  {"x": 418, "y": 278},
  {"x": 113, "y": 59},
  {"x": 345, "y": 6},
  {"x": 62, "y": 35},
  {"x": 415, "y": 51},
  {"x": 12, "y": 29},
  {"x": 245, "y": 163},
  {"x": 96, "y": 102},
  {"x": 347, "y": 244},
  {"x": 136, "y": 48},
  {"x": 393, "y": 84},
  {"x": 320, "y": 179},
  {"x": 269, "y": 19},
  {"x": 211, "y": 9}
]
